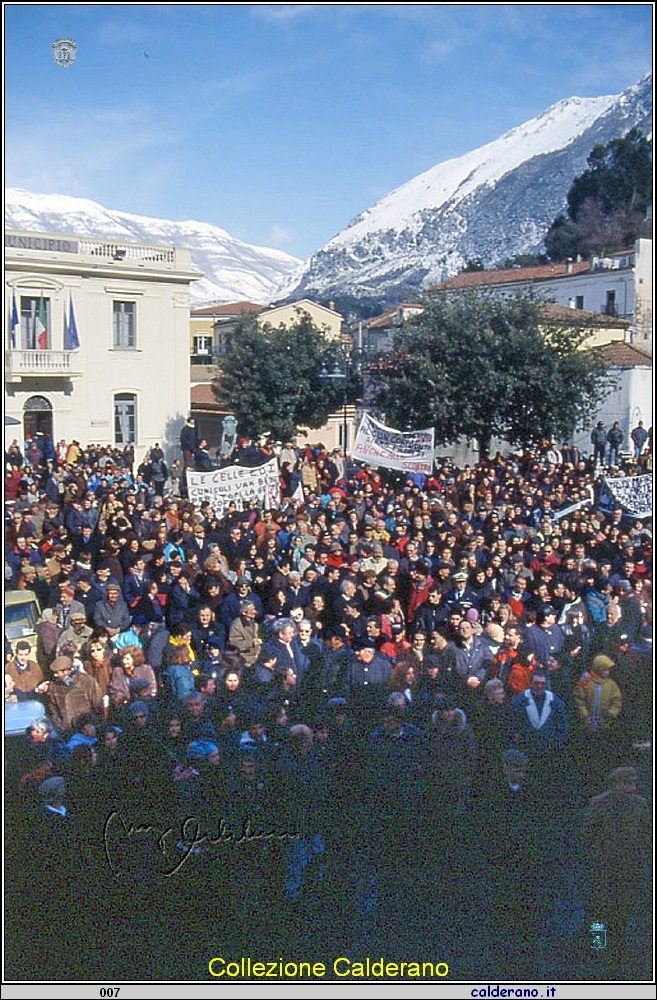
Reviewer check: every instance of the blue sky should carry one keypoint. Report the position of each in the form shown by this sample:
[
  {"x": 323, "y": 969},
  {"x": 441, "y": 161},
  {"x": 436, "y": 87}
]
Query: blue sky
[{"x": 280, "y": 122}]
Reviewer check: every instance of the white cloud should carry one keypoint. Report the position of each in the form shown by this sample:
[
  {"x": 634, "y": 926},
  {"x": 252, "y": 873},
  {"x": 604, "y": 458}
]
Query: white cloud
[
  {"x": 278, "y": 13},
  {"x": 117, "y": 32},
  {"x": 439, "y": 51},
  {"x": 71, "y": 150},
  {"x": 279, "y": 237}
]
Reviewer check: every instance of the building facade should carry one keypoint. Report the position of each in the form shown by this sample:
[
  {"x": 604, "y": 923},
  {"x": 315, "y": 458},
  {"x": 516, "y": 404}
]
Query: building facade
[
  {"x": 324, "y": 318},
  {"x": 97, "y": 345},
  {"x": 617, "y": 286},
  {"x": 630, "y": 400},
  {"x": 376, "y": 335},
  {"x": 209, "y": 326}
]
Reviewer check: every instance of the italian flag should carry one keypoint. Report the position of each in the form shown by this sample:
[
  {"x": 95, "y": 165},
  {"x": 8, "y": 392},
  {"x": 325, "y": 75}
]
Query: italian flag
[{"x": 40, "y": 329}]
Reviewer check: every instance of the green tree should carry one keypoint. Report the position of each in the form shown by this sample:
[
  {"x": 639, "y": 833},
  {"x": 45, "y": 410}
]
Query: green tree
[
  {"x": 619, "y": 174},
  {"x": 270, "y": 378},
  {"x": 607, "y": 203},
  {"x": 473, "y": 264},
  {"x": 562, "y": 239},
  {"x": 522, "y": 260},
  {"x": 479, "y": 365}
]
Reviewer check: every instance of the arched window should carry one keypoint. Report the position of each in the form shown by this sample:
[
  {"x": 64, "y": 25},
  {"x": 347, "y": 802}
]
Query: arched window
[
  {"x": 37, "y": 416},
  {"x": 125, "y": 418}
]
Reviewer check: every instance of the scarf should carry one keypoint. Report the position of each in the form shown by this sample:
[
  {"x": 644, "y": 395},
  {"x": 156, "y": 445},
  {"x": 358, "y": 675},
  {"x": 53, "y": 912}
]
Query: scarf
[{"x": 538, "y": 721}]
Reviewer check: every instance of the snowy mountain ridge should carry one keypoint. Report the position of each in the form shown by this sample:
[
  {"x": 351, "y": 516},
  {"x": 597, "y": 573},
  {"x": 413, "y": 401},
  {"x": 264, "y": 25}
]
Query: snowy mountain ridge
[
  {"x": 233, "y": 270},
  {"x": 493, "y": 202}
]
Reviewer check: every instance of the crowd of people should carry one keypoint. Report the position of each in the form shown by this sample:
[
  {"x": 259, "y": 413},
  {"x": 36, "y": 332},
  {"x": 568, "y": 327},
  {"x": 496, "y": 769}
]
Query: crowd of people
[{"x": 322, "y": 700}]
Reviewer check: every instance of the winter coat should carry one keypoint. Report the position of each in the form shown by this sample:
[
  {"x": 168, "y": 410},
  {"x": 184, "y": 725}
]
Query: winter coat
[
  {"x": 452, "y": 756},
  {"x": 610, "y": 701}
]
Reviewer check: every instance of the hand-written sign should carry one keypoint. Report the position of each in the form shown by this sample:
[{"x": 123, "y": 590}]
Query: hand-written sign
[
  {"x": 377, "y": 444},
  {"x": 236, "y": 483}
]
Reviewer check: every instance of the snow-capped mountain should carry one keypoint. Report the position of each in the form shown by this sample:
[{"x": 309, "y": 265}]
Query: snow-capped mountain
[
  {"x": 495, "y": 202},
  {"x": 234, "y": 271}
]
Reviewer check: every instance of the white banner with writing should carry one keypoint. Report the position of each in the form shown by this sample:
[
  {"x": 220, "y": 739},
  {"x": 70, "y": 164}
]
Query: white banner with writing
[
  {"x": 631, "y": 493},
  {"x": 239, "y": 483},
  {"x": 377, "y": 444},
  {"x": 558, "y": 514}
]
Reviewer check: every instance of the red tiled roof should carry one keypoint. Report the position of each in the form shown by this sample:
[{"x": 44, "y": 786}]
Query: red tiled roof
[
  {"x": 203, "y": 398},
  {"x": 541, "y": 272},
  {"x": 229, "y": 309},
  {"x": 555, "y": 311},
  {"x": 551, "y": 309},
  {"x": 623, "y": 355},
  {"x": 386, "y": 318}
]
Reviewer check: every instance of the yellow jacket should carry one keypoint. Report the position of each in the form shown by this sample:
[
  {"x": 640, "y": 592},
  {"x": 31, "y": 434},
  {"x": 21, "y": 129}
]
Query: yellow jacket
[{"x": 610, "y": 699}]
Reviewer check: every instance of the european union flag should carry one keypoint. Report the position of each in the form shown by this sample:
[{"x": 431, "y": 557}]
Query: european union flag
[
  {"x": 72, "y": 339},
  {"x": 15, "y": 324}
]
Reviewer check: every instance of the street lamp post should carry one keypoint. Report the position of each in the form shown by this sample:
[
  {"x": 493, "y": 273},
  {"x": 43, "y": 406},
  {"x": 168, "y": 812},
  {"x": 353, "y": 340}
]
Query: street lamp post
[
  {"x": 341, "y": 373},
  {"x": 347, "y": 361}
]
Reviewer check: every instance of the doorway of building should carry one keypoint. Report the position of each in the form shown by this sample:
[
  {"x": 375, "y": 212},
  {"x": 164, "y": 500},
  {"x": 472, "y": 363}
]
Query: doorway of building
[{"x": 37, "y": 417}]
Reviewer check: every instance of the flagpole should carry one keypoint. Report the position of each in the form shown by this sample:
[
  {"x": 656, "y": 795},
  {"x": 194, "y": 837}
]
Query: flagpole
[
  {"x": 41, "y": 323},
  {"x": 15, "y": 321},
  {"x": 72, "y": 339}
]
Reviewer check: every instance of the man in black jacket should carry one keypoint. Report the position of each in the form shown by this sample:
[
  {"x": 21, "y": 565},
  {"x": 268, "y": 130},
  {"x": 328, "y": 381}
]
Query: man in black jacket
[{"x": 188, "y": 441}]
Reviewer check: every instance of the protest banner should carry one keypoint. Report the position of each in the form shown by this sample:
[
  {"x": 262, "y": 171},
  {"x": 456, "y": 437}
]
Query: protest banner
[
  {"x": 237, "y": 483},
  {"x": 377, "y": 444},
  {"x": 558, "y": 514},
  {"x": 633, "y": 494}
]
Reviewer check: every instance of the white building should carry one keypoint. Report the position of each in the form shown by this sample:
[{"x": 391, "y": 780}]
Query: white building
[
  {"x": 619, "y": 285},
  {"x": 376, "y": 335},
  {"x": 127, "y": 306},
  {"x": 631, "y": 398}
]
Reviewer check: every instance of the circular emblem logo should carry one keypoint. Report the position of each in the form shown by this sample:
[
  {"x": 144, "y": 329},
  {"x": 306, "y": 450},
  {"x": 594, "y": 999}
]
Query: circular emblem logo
[{"x": 64, "y": 50}]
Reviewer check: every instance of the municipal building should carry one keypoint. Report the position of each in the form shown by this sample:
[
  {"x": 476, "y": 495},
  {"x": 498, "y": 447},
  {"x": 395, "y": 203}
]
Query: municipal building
[{"x": 97, "y": 343}]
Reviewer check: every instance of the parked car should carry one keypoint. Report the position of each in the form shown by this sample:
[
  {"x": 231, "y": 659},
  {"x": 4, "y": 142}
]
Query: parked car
[{"x": 22, "y": 612}]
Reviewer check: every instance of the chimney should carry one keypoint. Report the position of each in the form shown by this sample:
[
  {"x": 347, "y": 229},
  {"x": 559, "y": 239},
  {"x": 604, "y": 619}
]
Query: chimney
[
  {"x": 332, "y": 306},
  {"x": 569, "y": 266}
]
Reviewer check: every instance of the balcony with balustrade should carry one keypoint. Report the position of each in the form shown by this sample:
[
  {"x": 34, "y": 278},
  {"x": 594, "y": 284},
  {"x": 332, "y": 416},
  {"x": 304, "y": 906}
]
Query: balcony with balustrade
[{"x": 21, "y": 364}]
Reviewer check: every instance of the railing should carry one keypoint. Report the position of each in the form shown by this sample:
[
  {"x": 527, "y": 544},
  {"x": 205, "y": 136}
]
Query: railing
[
  {"x": 112, "y": 251},
  {"x": 40, "y": 363},
  {"x": 128, "y": 251}
]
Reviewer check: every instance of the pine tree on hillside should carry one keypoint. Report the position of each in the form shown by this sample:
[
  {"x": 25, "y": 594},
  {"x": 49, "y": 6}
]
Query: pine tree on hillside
[{"x": 607, "y": 203}]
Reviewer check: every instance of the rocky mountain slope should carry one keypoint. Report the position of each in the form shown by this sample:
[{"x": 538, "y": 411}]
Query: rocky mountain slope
[{"x": 492, "y": 203}]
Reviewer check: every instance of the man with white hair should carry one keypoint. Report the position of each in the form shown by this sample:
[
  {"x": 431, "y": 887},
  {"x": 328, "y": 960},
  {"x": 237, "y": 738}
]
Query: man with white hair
[
  {"x": 244, "y": 635},
  {"x": 279, "y": 645}
]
